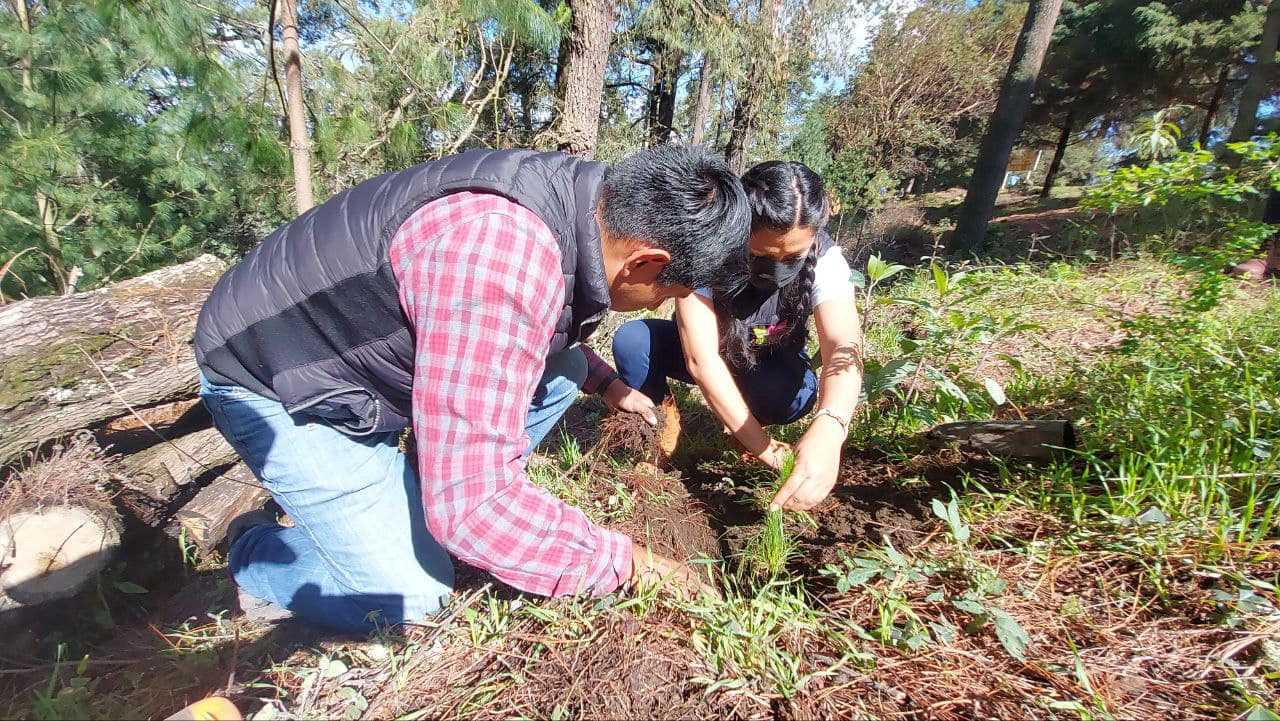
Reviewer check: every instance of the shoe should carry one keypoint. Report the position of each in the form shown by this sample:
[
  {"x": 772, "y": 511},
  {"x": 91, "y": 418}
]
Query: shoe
[
  {"x": 246, "y": 521},
  {"x": 256, "y": 610},
  {"x": 669, "y": 430}
]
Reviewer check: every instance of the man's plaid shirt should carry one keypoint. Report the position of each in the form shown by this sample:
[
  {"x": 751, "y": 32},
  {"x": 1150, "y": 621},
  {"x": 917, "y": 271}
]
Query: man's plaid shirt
[{"x": 481, "y": 284}]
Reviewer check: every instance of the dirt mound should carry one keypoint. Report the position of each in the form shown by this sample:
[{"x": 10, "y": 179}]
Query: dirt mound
[
  {"x": 667, "y": 519},
  {"x": 880, "y": 500}
]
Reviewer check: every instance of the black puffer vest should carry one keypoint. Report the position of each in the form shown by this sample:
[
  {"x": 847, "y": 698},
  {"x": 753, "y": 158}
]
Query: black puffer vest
[
  {"x": 312, "y": 316},
  {"x": 762, "y": 316}
]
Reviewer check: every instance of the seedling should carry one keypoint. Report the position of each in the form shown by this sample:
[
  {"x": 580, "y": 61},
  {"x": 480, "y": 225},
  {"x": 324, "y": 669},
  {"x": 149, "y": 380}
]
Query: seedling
[{"x": 769, "y": 551}]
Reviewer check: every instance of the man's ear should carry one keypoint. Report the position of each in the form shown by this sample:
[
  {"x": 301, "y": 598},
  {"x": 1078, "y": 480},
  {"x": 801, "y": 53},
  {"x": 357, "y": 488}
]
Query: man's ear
[{"x": 643, "y": 263}]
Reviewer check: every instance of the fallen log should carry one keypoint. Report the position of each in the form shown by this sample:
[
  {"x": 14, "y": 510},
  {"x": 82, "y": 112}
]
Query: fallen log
[
  {"x": 161, "y": 471},
  {"x": 206, "y": 517},
  {"x": 1031, "y": 440},
  {"x": 76, "y": 361}
]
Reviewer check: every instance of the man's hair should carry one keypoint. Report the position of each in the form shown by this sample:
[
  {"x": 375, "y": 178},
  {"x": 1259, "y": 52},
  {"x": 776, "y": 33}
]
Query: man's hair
[{"x": 685, "y": 200}]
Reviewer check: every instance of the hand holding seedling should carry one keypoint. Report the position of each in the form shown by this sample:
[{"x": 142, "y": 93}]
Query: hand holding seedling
[
  {"x": 817, "y": 465},
  {"x": 775, "y": 454},
  {"x": 621, "y": 397},
  {"x": 650, "y": 570}
]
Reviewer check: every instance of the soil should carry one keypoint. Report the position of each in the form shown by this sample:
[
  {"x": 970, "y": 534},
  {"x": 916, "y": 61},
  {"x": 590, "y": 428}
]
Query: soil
[
  {"x": 667, "y": 519},
  {"x": 881, "y": 501},
  {"x": 877, "y": 500}
]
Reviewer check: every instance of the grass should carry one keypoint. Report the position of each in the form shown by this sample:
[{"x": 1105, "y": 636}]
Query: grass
[
  {"x": 772, "y": 548},
  {"x": 1136, "y": 577}
]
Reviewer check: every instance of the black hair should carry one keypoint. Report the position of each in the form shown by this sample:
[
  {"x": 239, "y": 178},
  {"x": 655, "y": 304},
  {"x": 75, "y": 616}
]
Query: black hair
[
  {"x": 685, "y": 200},
  {"x": 783, "y": 195}
]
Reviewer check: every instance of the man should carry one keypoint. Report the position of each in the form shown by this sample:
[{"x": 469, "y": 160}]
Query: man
[{"x": 452, "y": 297}]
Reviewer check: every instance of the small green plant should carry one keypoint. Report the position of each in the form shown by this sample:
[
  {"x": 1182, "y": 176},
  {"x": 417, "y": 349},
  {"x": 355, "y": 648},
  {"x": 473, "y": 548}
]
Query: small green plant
[
  {"x": 769, "y": 551},
  {"x": 744, "y": 639},
  {"x": 954, "y": 329},
  {"x": 1157, "y": 136}
]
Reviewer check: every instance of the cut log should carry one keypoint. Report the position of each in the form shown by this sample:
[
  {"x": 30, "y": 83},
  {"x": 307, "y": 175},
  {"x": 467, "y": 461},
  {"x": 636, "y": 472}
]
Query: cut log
[
  {"x": 161, "y": 471},
  {"x": 52, "y": 552},
  {"x": 136, "y": 333},
  {"x": 1031, "y": 440},
  {"x": 206, "y": 517}
]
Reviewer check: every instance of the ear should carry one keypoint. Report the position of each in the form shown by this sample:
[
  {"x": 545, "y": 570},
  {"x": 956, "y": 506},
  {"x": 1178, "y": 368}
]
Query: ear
[{"x": 642, "y": 264}]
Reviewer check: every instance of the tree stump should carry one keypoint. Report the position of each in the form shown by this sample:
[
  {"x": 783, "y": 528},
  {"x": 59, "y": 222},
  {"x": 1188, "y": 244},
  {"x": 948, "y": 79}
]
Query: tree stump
[{"x": 48, "y": 553}]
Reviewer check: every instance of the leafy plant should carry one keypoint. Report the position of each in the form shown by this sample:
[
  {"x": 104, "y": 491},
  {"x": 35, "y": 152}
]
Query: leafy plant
[{"x": 1156, "y": 137}]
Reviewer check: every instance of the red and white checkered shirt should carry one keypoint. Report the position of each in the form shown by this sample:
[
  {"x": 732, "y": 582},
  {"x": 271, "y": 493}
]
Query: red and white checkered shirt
[{"x": 481, "y": 284}]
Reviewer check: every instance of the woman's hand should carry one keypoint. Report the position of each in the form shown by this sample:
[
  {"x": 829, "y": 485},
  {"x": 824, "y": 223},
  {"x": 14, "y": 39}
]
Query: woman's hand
[
  {"x": 816, "y": 469},
  {"x": 774, "y": 454},
  {"x": 621, "y": 397}
]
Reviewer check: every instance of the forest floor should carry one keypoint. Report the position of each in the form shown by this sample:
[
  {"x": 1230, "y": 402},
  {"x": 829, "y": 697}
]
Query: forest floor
[{"x": 1134, "y": 577}]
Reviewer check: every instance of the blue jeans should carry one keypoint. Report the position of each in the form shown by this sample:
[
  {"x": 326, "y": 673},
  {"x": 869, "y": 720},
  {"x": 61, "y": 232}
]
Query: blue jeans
[
  {"x": 780, "y": 389},
  {"x": 359, "y": 553}
]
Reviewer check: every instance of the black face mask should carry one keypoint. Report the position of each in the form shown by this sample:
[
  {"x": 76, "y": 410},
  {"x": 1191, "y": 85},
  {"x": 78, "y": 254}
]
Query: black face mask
[{"x": 770, "y": 275}]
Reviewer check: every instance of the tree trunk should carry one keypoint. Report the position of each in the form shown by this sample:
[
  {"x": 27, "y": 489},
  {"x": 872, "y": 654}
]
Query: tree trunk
[
  {"x": 703, "y": 109},
  {"x": 1064, "y": 138},
  {"x": 663, "y": 98},
  {"x": 740, "y": 127},
  {"x": 1006, "y": 124},
  {"x": 299, "y": 142},
  {"x": 747, "y": 102},
  {"x": 161, "y": 471},
  {"x": 1037, "y": 440},
  {"x": 1259, "y": 82},
  {"x": 136, "y": 333},
  {"x": 1215, "y": 102},
  {"x": 590, "y": 32},
  {"x": 45, "y": 209}
]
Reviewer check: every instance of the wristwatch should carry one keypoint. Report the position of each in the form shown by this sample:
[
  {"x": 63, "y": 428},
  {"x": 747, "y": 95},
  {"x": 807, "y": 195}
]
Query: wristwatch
[{"x": 844, "y": 422}]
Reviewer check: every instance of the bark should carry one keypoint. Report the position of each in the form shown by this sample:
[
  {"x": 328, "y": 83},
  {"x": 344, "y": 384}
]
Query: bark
[
  {"x": 663, "y": 98},
  {"x": 702, "y": 111},
  {"x": 1037, "y": 440},
  {"x": 747, "y": 104},
  {"x": 1215, "y": 102},
  {"x": 57, "y": 351},
  {"x": 735, "y": 152},
  {"x": 1006, "y": 124},
  {"x": 1260, "y": 81},
  {"x": 206, "y": 517},
  {"x": 590, "y": 32},
  {"x": 299, "y": 142},
  {"x": 163, "y": 470},
  {"x": 1064, "y": 138}
]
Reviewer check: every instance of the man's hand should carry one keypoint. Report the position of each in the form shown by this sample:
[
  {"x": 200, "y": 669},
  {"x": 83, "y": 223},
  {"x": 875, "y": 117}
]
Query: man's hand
[
  {"x": 817, "y": 465},
  {"x": 648, "y": 570},
  {"x": 621, "y": 397}
]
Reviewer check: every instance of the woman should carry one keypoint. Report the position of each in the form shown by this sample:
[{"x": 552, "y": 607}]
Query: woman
[{"x": 746, "y": 351}]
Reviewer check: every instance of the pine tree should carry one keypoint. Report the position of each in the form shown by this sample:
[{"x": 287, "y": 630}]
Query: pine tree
[
  {"x": 104, "y": 166},
  {"x": 1006, "y": 124},
  {"x": 590, "y": 33}
]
